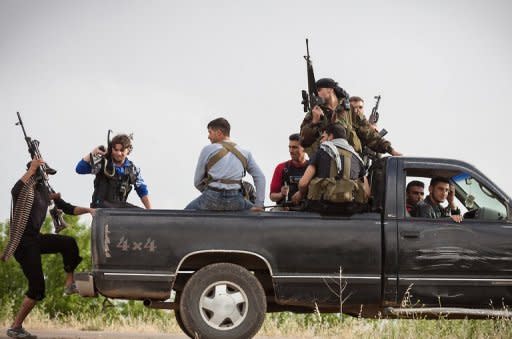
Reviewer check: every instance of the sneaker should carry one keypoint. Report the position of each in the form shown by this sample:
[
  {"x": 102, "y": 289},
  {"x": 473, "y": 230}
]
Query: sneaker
[
  {"x": 71, "y": 289},
  {"x": 19, "y": 332}
]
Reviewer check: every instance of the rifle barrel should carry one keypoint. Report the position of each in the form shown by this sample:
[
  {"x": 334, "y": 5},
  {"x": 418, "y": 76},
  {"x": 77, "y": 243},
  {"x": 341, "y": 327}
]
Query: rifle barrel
[{"x": 20, "y": 122}]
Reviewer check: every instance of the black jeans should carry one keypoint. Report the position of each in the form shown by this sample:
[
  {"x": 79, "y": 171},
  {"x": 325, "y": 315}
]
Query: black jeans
[{"x": 28, "y": 255}]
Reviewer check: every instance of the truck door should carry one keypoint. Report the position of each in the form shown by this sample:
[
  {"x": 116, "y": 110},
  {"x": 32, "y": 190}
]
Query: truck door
[{"x": 443, "y": 263}]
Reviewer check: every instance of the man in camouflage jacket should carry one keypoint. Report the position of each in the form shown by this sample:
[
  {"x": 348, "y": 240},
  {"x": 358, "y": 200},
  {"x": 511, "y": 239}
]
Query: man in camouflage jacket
[{"x": 359, "y": 131}]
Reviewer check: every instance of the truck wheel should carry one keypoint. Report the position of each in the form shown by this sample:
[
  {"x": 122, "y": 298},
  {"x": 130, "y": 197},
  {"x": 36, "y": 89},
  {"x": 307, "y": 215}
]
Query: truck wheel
[
  {"x": 185, "y": 330},
  {"x": 223, "y": 301}
]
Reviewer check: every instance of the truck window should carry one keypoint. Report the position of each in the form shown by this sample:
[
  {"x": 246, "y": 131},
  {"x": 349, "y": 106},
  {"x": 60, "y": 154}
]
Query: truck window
[
  {"x": 426, "y": 183},
  {"x": 479, "y": 200}
]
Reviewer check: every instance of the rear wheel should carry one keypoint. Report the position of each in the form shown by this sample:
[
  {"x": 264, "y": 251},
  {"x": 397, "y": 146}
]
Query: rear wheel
[{"x": 223, "y": 301}]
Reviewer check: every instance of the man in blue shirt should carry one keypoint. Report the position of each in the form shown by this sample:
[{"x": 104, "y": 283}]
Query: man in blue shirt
[
  {"x": 115, "y": 174},
  {"x": 219, "y": 172}
]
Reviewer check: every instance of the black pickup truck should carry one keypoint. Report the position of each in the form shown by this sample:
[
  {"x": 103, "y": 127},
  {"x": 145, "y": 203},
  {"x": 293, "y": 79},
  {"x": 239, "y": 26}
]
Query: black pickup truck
[{"x": 228, "y": 269}]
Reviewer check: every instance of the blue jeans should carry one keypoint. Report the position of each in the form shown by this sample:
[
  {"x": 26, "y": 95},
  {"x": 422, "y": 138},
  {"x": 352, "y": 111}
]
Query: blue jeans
[{"x": 220, "y": 201}]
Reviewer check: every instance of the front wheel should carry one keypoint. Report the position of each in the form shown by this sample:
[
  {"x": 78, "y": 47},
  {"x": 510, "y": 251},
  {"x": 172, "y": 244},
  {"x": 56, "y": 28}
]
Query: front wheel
[{"x": 223, "y": 301}]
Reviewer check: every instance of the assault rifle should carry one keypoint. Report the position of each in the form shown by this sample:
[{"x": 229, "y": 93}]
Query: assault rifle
[
  {"x": 370, "y": 156},
  {"x": 95, "y": 159},
  {"x": 43, "y": 171},
  {"x": 374, "y": 116},
  {"x": 310, "y": 98}
]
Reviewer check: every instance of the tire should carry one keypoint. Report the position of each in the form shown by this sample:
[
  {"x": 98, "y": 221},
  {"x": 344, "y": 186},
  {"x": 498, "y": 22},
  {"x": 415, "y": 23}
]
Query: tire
[
  {"x": 177, "y": 315},
  {"x": 223, "y": 301}
]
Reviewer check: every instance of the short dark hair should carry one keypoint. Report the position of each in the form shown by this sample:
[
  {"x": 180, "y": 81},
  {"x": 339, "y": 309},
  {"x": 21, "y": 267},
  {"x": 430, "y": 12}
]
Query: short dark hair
[
  {"x": 355, "y": 99},
  {"x": 337, "y": 131},
  {"x": 220, "y": 124},
  {"x": 438, "y": 180},
  {"x": 414, "y": 183},
  {"x": 294, "y": 137}
]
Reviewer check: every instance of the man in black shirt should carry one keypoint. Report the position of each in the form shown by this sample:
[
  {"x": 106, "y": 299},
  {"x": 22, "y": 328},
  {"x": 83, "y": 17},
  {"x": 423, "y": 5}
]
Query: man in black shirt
[
  {"x": 414, "y": 194},
  {"x": 440, "y": 191},
  {"x": 31, "y": 200}
]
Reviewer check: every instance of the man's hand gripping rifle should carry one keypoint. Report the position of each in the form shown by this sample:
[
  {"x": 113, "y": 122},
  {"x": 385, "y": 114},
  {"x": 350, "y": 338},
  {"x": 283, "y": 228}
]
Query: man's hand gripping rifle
[
  {"x": 374, "y": 116},
  {"x": 310, "y": 98},
  {"x": 43, "y": 172},
  {"x": 370, "y": 156}
]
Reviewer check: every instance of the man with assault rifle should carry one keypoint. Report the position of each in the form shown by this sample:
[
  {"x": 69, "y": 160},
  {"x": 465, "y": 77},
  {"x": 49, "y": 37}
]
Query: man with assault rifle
[
  {"x": 31, "y": 196},
  {"x": 326, "y": 102}
]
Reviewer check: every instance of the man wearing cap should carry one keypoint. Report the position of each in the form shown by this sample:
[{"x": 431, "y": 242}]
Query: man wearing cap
[
  {"x": 359, "y": 131},
  {"x": 219, "y": 172}
]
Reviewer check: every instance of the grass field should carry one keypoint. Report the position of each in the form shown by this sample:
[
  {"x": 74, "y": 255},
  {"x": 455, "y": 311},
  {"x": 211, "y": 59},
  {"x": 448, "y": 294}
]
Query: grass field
[{"x": 277, "y": 324}]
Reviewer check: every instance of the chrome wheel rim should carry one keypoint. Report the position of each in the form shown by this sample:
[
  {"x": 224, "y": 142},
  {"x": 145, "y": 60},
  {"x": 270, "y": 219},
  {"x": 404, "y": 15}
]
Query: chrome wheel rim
[{"x": 223, "y": 305}]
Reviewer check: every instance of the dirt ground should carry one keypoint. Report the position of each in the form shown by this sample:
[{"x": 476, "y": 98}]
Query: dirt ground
[{"x": 76, "y": 334}]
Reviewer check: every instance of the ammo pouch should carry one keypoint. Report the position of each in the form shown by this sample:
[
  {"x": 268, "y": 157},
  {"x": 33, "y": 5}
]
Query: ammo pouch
[
  {"x": 336, "y": 188},
  {"x": 331, "y": 190}
]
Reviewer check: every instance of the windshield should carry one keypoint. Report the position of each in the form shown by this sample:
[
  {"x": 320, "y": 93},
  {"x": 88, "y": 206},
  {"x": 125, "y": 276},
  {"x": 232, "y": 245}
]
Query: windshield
[{"x": 475, "y": 196}]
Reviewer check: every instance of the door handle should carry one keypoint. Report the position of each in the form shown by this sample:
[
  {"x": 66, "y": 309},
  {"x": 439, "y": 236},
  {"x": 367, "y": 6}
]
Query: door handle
[{"x": 410, "y": 234}]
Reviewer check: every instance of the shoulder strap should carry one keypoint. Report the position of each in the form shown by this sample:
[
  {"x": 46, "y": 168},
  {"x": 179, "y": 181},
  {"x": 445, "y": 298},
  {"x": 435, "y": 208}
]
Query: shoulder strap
[
  {"x": 227, "y": 147},
  {"x": 231, "y": 148},
  {"x": 333, "y": 172},
  {"x": 216, "y": 157},
  {"x": 347, "y": 163},
  {"x": 132, "y": 173}
]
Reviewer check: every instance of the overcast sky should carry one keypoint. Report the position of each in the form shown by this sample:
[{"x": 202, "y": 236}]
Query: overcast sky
[{"x": 164, "y": 69}]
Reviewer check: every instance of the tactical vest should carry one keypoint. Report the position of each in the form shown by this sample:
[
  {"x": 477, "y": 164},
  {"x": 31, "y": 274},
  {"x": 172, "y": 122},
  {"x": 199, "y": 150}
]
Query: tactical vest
[
  {"x": 111, "y": 186},
  {"x": 227, "y": 147},
  {"x": 338, "y": 188},
  {"x": 291, "y": 176}
]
